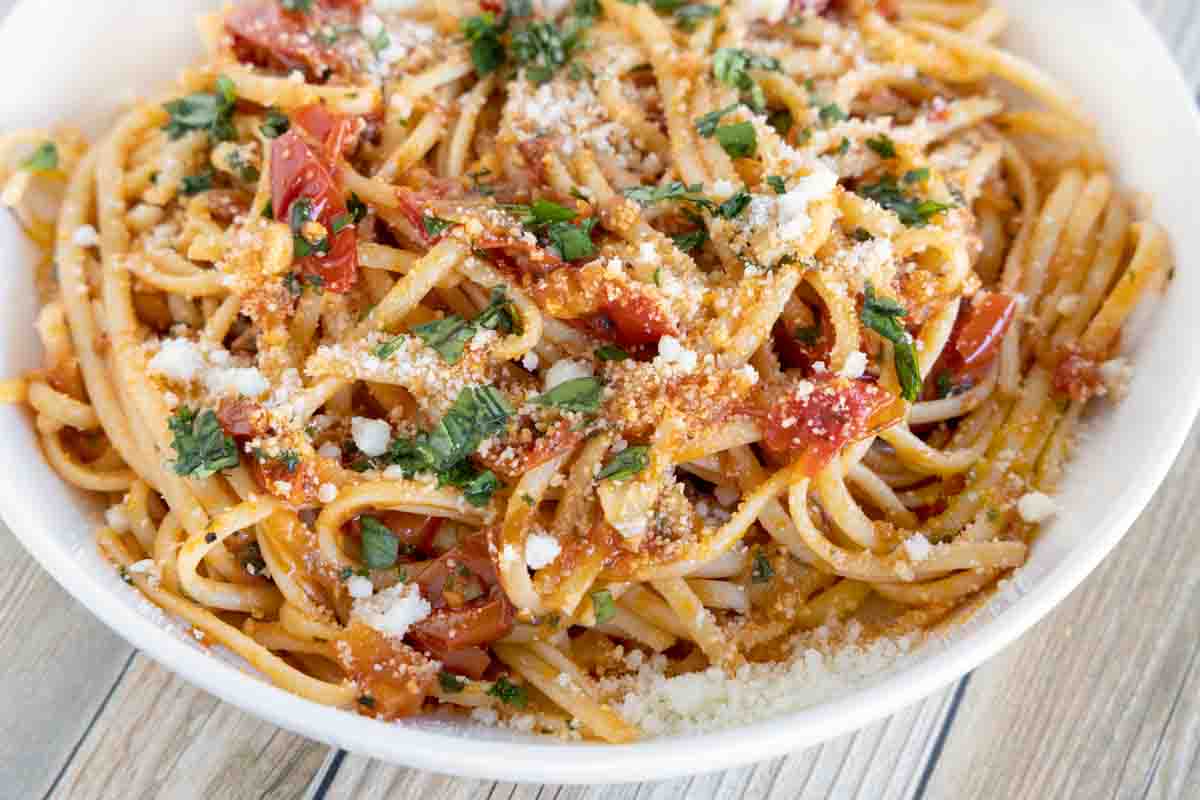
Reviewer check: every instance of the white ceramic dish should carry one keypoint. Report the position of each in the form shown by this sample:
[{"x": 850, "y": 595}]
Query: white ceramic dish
[{"x": 78, "y": 61}]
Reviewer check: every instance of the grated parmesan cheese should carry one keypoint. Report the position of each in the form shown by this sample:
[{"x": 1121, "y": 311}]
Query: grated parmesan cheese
[
  {"x": 116, "y": 518},
  {"x": 85, "y": 236},
  {"x": 393, "y": 610},
  {"x": 917, "y": 547},
  {"x": 177, "y": 359},
  {"x": 360, "y": 587},
  {"x": 1036, "y": 507},
  {"x": 541, "y": 550}
]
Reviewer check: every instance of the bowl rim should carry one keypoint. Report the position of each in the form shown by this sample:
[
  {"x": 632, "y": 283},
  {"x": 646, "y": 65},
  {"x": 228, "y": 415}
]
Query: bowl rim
[{"x": 653, "y": 759}]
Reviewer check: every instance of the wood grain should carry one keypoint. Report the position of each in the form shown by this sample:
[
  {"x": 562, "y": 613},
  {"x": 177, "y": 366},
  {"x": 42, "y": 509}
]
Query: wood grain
[{"x": 1117, "y": 716}]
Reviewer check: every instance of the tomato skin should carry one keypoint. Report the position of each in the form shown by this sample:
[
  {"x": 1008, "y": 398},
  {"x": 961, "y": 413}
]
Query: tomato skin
[
  {"x": 297, "y": 172},
  {"x": 267, "y": 35},
  {"x": 983, "y": 328},
  {"x": 815, "y": 422},
  {"x": 1077, "y": 376}
]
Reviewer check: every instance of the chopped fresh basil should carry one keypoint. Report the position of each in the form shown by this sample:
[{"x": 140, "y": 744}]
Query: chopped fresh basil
[
  {"x": 499, "y": 314},
  {"x": 738, "y": 140},
  {"x": 776, "y": 183},
  {"x": 603, "y": 606},
  {"x": 675, "y": 190},
  {"x": 883, "y": 146},
  {"x": 761, "y": 571},
  {"x": 477, "y": 486},
  {"x": 390, "y": 347},
  {"x": 487, "y": 51},
  {"x": 200, "y": 182},
  {"x": 578, "y": 394},
  {"x": 625, "y": 464},
  {"x": 341, "y": 222},
  {"x": 448, "y": 336},
  {"x": 380, "y": 547},
  {"x": 912, "y": 212},
  {"x": 211, "y": 112},
  {"x": 706, "y": 125},
  {"x": 44, "y": 158},
  {"x": 831, "y": 113},
  {"x": 356, "y": 207},
  {"x": 781, "y": 121},
  {"x": 689, "y": 18},
  {"x": 882, "y": 315},
  {"x": 916, "y": 176},
  {"x": 687, "y": 242},
  {"x": 610, "y": 352},
  {"x": 451, "y": 684},
  {"x": 275, "y": 124},
  {"x": 201, "y": 446},
  {"x": 299, "y": 6},
  {"x": 573, "y": 242},
  {"x": 732, "y": 66},
  {"x": 435, "y": 226},
  {"x": 734, "y": 206},
  {"x": 509, "y": 693}
]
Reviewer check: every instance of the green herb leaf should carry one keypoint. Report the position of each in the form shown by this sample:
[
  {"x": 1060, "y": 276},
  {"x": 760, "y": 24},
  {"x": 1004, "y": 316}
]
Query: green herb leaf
[
  {"x": 211, "y": 112},
  {"x": 881, "y": 314},
  {"x": 380, "y": 547},
  {"x": 731, "y": 66},
  {"x": 275, "y": 124},
  {"x": 861, "y": 235},
  {"x": 448, "y": 336},
  {"x": 389, "y": 348},
  {"x": 738, "y": 140},
  {"x": 573, "y": 242},
  {"x": 916, "y": 176},
  {"x": 781, "y": 121},
  {"x": 883, "y": 146},
  {"x": 688, "y": 242},
  {"x": 500, "y": 314},
  {"x": 341, "y": 222},
  {"x": 907, "y": 370},
  {"x": 200, "y": 182},
  {"x": 509, "y": 693},
  {"x": 44, "y": 158},
  {"x": 201, "y": 446},
  {"x": 689, "y": 18},
  {"x": 831, "y": 113},
  {"x": 776, "y": 183},
  {"x": 844, "y": 147},
  {"x": 298, "y": 6},
  {"x": 734, "y": 206},
  {"x": 912, "y": 212},
  {"x": 610, "y": 352},
  {"x": 603, "y": 606},
  {"x": 578, "y": 394},
  {"x": 625, "y": 464},
  {"x": 356, "y": 207},
  {"x": 675, "y": 190},
  {"x": 761, "y": 570},
  {"x": 478, "y": 487},
  {"x": 451, "y": 684},
  {"x": 478, "y": 413},
  {"x": 706, "y": 125},
  {"x": 435, "y": 226},
  {"x": 545, "y": 212},
  {"x": 487, "y": 51}
]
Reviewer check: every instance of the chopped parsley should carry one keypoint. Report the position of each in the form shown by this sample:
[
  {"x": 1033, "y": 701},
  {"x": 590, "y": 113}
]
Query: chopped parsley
[
  {"x": 675, "y": 190},
  {"x": 625, "y": 464},
  {"x": 610, "y": 352},
  {"x": 202, "y": 181},
  {"x": 603, "y": 606},
  {"x": 211, "y": 112},
  {"x": 509, "y": 693},
  {"x": 577, "y": 394},
  {"x": 912, "y": 212},
  {"x": 43, "y": 159},
  {"x": 761, "y": 571},
  {"x": 882, "y": 315},
  {"x": 738, "y": 140},
  {"x": 380, "y": 546},
  {"x": 732, "y": 66},
  {"x": 201, "y": 446},
  {"x": 451, "y": 684},
  {"x": 883, "y": 146},
  {"x": 275, "y": 124}
]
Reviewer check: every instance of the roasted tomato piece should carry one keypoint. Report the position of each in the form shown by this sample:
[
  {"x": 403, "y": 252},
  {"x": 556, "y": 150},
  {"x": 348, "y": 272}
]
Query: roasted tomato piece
[
  {"x": 393, "y": 675},
  {"x": 525, "y": 456},
  {"x": 984, "y": 324},
  {"x": 815, "y": 419},
  {"x": 337, "y": 132},
  {"x": 298, "y": 174},
  {"x": 1078, "y": 376},
  {"x": 268, "y": 35}
]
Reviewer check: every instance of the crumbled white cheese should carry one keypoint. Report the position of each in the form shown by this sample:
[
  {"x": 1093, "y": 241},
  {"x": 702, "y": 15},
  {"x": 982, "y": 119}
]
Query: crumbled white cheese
[
  {"x": 330, "y": 450},
  {"x": 856, "y": 365},
  {"x": 530, "y": 361},
  {"x": 723, "y": 188},
  {"x": 540, "y": 550},
  {"x": 116, "y": 518},
  {"x": 371, "y": 25},
  {"x": 671, "y": 351},
  {"x": 360, "y": 587},
  {"x": 371, "y": 436},
  {"x": 566, "y": 369},
  {"x": 246, "y": 381},
  {"x": 177, "y": 359},
  {"x": 917, "y": 547},
  {"x": 1116, "y": 374},
  {"x": 794, "y": 221},
  {"x": 327, "y": 493},
  {"x": 1036, "y": 507},
  {"x": 768, "y": 10},
  {"x": 393, "y": 610},
  {"x": 85, "y": 236}
]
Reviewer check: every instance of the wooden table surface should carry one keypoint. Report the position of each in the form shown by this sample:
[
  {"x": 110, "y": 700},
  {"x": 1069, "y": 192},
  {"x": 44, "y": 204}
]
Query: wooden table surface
[{"x": 87, "y": 716}]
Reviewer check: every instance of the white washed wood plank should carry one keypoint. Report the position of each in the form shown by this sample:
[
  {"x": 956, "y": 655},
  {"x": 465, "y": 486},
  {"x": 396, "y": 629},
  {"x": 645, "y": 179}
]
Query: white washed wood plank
[
  {"x": 59, "y": 664},
  {"x": 881, "y": 762},
  {"x": 160, "y": 737},
  {"x": 1100, "y": 699}
]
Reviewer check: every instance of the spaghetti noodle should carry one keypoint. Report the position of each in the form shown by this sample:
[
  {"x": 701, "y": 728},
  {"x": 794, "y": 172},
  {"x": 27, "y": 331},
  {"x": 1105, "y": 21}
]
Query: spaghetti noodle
[{"x": 448, "y": 356}]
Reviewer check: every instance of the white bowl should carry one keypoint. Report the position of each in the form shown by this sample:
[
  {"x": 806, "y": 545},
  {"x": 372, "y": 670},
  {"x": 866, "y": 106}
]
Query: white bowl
[{"x": 78, "y": 61}]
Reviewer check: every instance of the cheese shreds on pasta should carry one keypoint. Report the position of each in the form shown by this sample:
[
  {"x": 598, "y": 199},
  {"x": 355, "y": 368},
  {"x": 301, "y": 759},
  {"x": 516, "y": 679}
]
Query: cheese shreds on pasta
[{"x": 600, "y": 369}]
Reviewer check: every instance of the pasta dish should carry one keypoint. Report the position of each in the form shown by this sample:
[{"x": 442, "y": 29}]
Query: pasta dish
[{"x": 486, "y": 355}]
